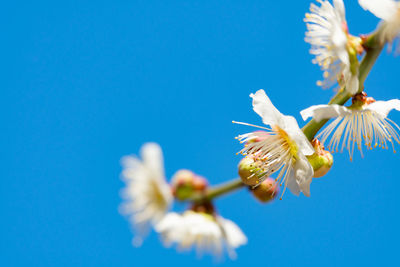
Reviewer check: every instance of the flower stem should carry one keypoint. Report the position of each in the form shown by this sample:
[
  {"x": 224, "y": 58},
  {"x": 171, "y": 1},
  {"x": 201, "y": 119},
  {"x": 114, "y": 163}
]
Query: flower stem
[
  {"x": 224, "y": 188},
  {"x": 368, "y": 62},
  {"x": 217, "y": 191},
  {"x": 373, "y": 51}
]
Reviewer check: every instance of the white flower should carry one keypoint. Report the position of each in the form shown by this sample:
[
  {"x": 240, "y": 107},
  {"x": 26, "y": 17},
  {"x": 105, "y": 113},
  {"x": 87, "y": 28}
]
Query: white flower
[
  {"x": 355, "y": 124},
  {"x": 147, "y": 194},
  {"x": 206, "y": 233},
  {"x": 327, "y": 34},
  {"x": 283, "y": 149},
  {"x": 389, "y": 12}
]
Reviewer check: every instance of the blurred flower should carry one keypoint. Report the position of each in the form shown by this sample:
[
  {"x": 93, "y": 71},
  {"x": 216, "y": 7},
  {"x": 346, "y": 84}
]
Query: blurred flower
[
  {"x": 366, "y": 120},
  {"x": 389, "y": 12},
  {"x": 207, "y": 233},
  {"x": 283, "y": 150},
  {"x": 147, "y": 195},
  {"x": 334, "y": 49}
]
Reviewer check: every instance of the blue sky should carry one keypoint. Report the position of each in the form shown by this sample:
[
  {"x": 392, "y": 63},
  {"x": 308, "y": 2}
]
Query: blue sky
[{"x": 85, "y": 83}]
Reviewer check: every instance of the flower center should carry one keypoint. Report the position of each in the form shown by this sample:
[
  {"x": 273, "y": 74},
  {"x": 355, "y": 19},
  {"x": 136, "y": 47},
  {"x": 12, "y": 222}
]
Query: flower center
[
  {"x": 287, "y": 142},
  {"x": 157, "y": 194},
  {"x": 273, "y": 151}
]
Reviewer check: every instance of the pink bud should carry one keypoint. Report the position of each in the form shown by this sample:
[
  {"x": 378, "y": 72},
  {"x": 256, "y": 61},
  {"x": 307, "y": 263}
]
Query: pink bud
[{"x": 266, "y": 191}]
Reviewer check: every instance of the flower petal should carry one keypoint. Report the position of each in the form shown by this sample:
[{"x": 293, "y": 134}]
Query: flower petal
[
  {"x": 147, "y": 195},
  {"x": 204, "y": 232},
  {"x": 290, "y": 126},
  {"x": 321, "y": 112},
  {"x": 352, "y": 84},
  {"x": 384, "y": 107},
  {"x": 340, "y": 10},
  {"x": 302, "y": 175},
  {"x": 383, "y": 9},
  {"x": 263, "y": 106},
  {"x": 292, "y": 185},
  {"x": 270, "y": 115},
  {"x": 170, "y": 219},
  {"x": 234, "y": 235},
  {"x": 339, "y": 39},
  {"x": 153, "y": 158}
]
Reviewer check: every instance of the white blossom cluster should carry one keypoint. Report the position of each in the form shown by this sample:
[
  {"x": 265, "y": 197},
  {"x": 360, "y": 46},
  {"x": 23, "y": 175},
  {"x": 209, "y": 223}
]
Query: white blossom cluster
[{"x": 280, "y": 148}]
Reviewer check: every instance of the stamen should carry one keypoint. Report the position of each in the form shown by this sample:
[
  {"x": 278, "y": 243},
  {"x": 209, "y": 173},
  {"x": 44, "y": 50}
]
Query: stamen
[
  {"x": 360, "y": 127},
  {"x": 277, "y": 153},
  {"x": 252, "y": 125}
]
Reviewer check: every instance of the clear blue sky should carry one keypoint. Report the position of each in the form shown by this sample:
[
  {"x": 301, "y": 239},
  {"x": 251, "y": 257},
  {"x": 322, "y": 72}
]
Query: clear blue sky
[{"x": 84, "y": 83}]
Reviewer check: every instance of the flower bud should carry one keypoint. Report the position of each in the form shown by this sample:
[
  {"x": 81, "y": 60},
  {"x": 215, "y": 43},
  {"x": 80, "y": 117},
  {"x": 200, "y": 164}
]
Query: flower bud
[
  {"x": 200, "y": 183},
  {"x": 362, "y": 99},
  {"x": 321, "y": 160},
  {"x": 185, "y": 183},
  {"x": 266, "y": 191},
  {"x": 249, "y": 171}
]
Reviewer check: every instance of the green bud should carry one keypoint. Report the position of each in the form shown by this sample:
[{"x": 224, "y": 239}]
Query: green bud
[
  {"x": 321, "y": 160},
  {"x": 249, "y": 171}
]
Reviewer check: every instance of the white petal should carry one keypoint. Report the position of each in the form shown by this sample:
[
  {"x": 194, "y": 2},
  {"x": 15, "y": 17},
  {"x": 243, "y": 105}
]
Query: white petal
[
  {"x": 169, "y": 220},
  {"x": 291, "y": 127},
  {"x": 339, "y": 8},
  {"x": 234, "y": 235},
  {"x": 263, "y": 106},
  {"x": 201, "y": 231},
  {"x": 339, "y": 39},
  {"x": 383, "y": 9},
  {"x": 328, "y": 39},
  {"x": 384, "y": 107},
  {"x": 132, "y": 166},
  {"x": 321, "y": 112},
  {"x": 352, "y": 84},
  {"x": 292, "y": 184},
  {"x": 303, "y": 173},
  {"x": 153, "y": 158},
  {"x": 147, "y": 195},
  {"x": 270, "y": 115}
]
